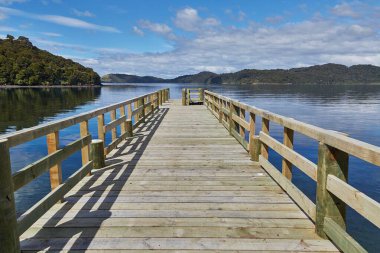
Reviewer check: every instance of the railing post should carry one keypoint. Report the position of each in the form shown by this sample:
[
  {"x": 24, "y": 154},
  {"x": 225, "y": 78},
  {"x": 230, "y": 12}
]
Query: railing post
[
  {"x": 129, "y": 128},
  {"x": 113, "y": 131},
  {"x": 9, "y": 240},
  {"x": 86, "y": 149},
  {"x": 254, "y": 141},
  {"x": 160, "y": 97},
  {"x": 188, "y": 97},
  {"x": 241, "y": 128},
  {"x": 335, "y": 162},
  {"x": 142, "y": 113},
  {"x": 265, "y": 129},
  {"x": 288, "y": 141},
  {"x": 101, "y": 127},
  {"x": 123, "y": 125},
  {"x": 183, "y": 96},
  {"x": 201, "y": 95},
  {"x": 97, "y": 153},
  {"x": 220, "y": 110},
  {"x": 136, "y": 105},
  {"x": 230, "y": 121},
  {"x": 55, "y": 171},
  {"x": 151, "y": 98}
]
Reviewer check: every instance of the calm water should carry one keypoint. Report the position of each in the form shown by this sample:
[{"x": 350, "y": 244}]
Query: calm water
[{"x": 351, "y": 109}]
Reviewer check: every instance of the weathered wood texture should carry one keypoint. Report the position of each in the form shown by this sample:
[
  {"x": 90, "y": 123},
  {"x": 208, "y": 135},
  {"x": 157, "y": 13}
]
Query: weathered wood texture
[{"x": 180, "y": 184}]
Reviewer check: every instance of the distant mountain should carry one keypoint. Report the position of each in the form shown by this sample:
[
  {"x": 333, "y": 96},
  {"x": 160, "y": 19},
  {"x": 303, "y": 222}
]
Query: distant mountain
[
  {"x": 21, "y": 63},
  {"x": 123, "y": 78},
  {"x": 319, "y": 74}
]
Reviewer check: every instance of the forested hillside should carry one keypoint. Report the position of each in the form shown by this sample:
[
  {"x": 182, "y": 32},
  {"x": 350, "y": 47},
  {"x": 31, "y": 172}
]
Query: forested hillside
[{"x": 21, "y": 63}]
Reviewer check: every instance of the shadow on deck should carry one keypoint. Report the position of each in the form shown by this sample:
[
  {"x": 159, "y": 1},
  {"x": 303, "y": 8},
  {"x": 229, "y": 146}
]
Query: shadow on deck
[{"x": 96, "y": 209}]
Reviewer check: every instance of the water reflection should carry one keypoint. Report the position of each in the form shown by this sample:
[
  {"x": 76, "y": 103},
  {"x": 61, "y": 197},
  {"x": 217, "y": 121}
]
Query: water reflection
[{"x": 26, "y": 107}]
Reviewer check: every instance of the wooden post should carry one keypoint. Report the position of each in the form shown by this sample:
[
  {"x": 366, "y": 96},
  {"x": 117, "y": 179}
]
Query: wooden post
[
  {"x": 335, "y": 162},
  {"x": 97, "y": 153},
  {"x": 220, "y": 111},
  {"x": 184, "y": 97},
  {"x": 9, "y": 240},
  {"x": 288, "y": 141},
  {"x": 188, "y": 96},
  {"x": 230, "y": 121},
  {"x": 113, "y": 131},
  {"x": 86, "y": 149},
  {"x": 151, "y": 98},
  {"x": 123, "y": 125},
  {"x": 254, "y": 141},
  {"x": 136, "y": 116},
  {"x": 55, "y": 171},
  {"x": 201, "y": 95},
  {"x": 129, "y": 128},
  {"x": 130, "y": 111},
  {"x": 142, "y": 113},
  {"x": 265, "y": 129},
  {"x": 241, "y": 128},
  {"x": 101, "y": 127}
]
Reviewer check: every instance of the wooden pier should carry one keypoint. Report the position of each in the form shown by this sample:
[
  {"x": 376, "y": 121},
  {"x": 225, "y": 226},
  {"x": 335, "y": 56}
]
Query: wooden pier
[{"x": 181, "y": 180}]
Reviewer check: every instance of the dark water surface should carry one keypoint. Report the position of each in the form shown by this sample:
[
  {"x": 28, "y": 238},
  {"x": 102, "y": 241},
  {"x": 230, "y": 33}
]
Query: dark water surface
[{"x": 352, "y": 109}]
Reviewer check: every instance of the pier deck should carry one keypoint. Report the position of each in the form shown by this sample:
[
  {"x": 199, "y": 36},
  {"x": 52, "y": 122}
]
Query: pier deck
[{"x": 181, "y": 184}]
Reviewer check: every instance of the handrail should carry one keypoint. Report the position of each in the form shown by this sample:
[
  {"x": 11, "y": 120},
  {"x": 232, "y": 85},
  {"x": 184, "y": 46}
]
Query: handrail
[
  {"x": 11, "y": 228},
  {"x": 331, "y": 172}
]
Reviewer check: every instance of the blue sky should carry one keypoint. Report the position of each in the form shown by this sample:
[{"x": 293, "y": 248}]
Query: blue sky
[{"x": 169, "y": 38}]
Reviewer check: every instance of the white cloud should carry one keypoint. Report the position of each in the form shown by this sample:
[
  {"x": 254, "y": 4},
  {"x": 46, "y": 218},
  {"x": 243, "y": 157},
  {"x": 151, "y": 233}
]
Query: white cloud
[
  {"x": 84, "y": 13},
  {"x": 155, "y": 27},
  {"x": 60, "y": 20},
  {"x": 344, "y": 10},
  {"x": 188, "y": 19},
  {"x": 138, "y": 31},
  {"x": 229, "y": 49}
]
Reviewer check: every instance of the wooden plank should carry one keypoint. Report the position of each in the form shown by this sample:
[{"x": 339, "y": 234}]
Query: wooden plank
[
  {"x": 305, "y": 165},
  {"x": 299, "y": 197},
  {"x": 364, "y": 205},
  {"x": 341, "y": 238},
  {"x": 174, "y": 232},
  {"x": 179, "y": 243},
  {"x": 35, "y": 212},
  {"x": 34, "y": 170}
]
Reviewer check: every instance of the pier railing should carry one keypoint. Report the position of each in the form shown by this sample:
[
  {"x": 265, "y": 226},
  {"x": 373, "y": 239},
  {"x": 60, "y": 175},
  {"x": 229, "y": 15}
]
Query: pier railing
[
  {"x": 12, "y": 227},
  {"x": 192, "y": 96},
  {"x": 330, "y": 173}
]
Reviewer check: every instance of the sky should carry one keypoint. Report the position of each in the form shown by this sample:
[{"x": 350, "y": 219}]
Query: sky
[{"x": 170, "y": 38}]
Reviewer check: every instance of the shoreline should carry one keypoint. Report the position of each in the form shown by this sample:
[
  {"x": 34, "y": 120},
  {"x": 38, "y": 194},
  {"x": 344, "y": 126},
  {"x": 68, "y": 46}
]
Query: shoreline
[{"x": 49, "y": 86}]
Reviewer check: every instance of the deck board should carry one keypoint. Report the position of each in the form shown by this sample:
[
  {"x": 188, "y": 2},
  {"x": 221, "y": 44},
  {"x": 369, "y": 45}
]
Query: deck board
[{"x": 182, "y": 184}]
